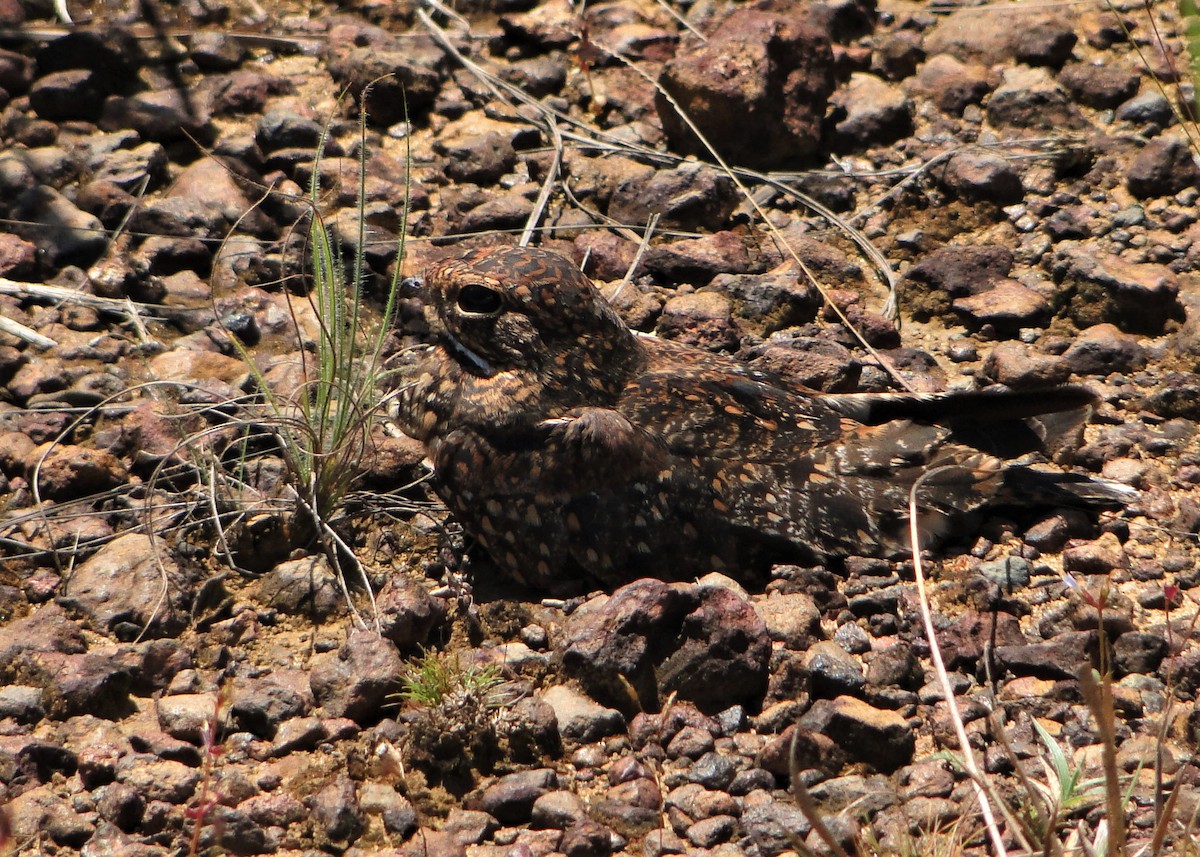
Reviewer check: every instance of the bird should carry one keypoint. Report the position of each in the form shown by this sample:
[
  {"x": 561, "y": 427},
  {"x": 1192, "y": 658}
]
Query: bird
[{"x": 572, "y": 448}]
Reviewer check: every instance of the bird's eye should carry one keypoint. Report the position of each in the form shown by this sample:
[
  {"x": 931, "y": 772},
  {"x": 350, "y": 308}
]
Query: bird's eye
[{"x": 479, "y": 300}]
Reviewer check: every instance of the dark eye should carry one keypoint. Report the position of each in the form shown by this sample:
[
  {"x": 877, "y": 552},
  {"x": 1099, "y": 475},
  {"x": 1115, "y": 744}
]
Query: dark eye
[{"x": 479, "y": 300}]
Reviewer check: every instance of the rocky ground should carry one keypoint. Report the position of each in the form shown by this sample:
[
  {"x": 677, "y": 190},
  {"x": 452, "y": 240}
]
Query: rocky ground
[{"x": 174, "y": 687}]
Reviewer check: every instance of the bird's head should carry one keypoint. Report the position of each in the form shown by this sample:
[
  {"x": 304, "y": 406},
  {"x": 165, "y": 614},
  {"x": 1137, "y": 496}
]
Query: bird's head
[{"x": 513, "y": 309}]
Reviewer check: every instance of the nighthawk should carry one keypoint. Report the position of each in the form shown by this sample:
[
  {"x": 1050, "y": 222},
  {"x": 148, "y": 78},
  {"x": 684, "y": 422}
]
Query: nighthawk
[{"x": 570, "y": 447}]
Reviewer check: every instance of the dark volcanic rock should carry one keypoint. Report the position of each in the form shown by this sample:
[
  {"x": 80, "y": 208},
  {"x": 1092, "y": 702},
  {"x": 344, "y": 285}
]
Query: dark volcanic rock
[
  {"x": 702, "y": 642},
  {"x": 121, "y": 588},
  {"x": 691, "y": 196},
  {"x": 869, "y": 112},
  {"x": 982, "y": 176},
  {"x": 402, "y": 74}
]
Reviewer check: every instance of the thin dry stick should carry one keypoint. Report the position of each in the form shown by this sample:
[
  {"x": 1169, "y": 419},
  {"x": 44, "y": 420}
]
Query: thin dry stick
[
  {"x": 1098, "y": 696},
  {"x": 643, "y": 245},
  {"x": 939, "y": 666},
  {"x": 117, "y": 306},
  {"x": 24, "y": 333},
  {"x": 806, "y": 805},
  {"x": 543, "y": 197}
]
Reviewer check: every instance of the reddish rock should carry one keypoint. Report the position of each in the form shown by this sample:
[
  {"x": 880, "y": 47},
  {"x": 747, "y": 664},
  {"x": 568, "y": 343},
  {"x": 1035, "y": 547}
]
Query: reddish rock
[
  {"x": 1137, "y": 298},
  {"x": 870, "y": 112},
  {"x": 1007, "y": 305},
  {"x": 128, "y": 582},
  {"x": 703, "y": 319},
  {"x": 68, "y": 471},
  {"x": 981, "y": 177},
  {"x": 689, "y": 197},
  {"x": 1031, "y": 100},
  {"x": 1163, "y": 167},
  {"x": 879, "y": 737},
  {"x": 696, "y": 261},
  {"x": 953, "y": 85}
]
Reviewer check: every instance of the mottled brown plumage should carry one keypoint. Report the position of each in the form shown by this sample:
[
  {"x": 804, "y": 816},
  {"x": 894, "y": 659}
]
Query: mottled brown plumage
[{"x": 567, "y": 444}]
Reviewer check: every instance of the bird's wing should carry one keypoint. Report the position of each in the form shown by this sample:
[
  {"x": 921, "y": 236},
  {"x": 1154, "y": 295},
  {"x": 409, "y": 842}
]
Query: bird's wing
[
  {"x": 716, "y": 413},
  {"x": 786, "y": 466}
]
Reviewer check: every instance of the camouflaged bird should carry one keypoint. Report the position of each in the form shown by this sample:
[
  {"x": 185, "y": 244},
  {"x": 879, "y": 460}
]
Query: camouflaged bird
[{"x": 569, "y": 446}]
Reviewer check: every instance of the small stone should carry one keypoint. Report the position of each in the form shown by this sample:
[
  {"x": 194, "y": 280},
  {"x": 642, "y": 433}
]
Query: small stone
[
  {"x": 355, "y": 681},
  {"x": 1029, "y": 98},
  {"x": 1012, "y": 572},
  {"x": 161, "y": 116},
  {"x": 22, "y": 703},
  {"x": 1149, "y": 107},
  {"x": 579, "y": 718},
  {"x": 1103, "y": 349},
  {"x": 833, "y": 671},
  {"x": 336, "y": 812},
  {"x": 558, "y": 810},
  {"x": 122, "y": 584},
  {"x": 72, "y": 94},
  {"x": 586, "y": 838},
  {"x": 399, "y": 816},
  {"x": 713, "y": 771},
  {"x": 1139, "y": 652},
  {"x": 212, "y": 50},
  {"x": 1099, "y": 86},
  {"x": 982, "y": 176},
  {"x": 698, "y": 261},
  {"x": 711, "y": 831},
  {"x": 78, "y": 237},
  {"x": 1007, "y": 305},
  {"x": 1100, "y": 557},
  {"x": 773, "y": 824},
  {"x": 953, "y": 85},
  {"x": 690, "y": 742},
  {"x": 703, "y": 319},
  {"x": 164, "y": 780},
  {"x": 187, "y": 716},
  {"x": 756, "y": 88},
  {"x": 510, "y": 799},
  {"x": 202, "y": 368},
  {"x": 1163, "y": 167},
  {"x": 689, "y": 197},
  {"x": 881, "y": 738},
  {"x": 792, "y": 619},
  {"x": 872, "y": 112},
  {"x": 300, "y": 587},
  {"x": 1057, "y": 658},
  {"x": 1013, "y": 364},
  {"x": 120, "y": 805}
]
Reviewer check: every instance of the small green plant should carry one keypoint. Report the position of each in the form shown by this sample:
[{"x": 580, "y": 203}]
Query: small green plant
[
  {"x": 435, "y": 678},
  {"x": 456, "y": 719},
  {"x": 1066, "y": 791},
  {"x": 322, "y": 429}
]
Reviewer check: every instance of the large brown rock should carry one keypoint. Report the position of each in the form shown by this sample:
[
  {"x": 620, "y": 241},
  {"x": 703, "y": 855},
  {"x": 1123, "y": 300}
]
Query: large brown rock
[{"x": 756, "y": 89}]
